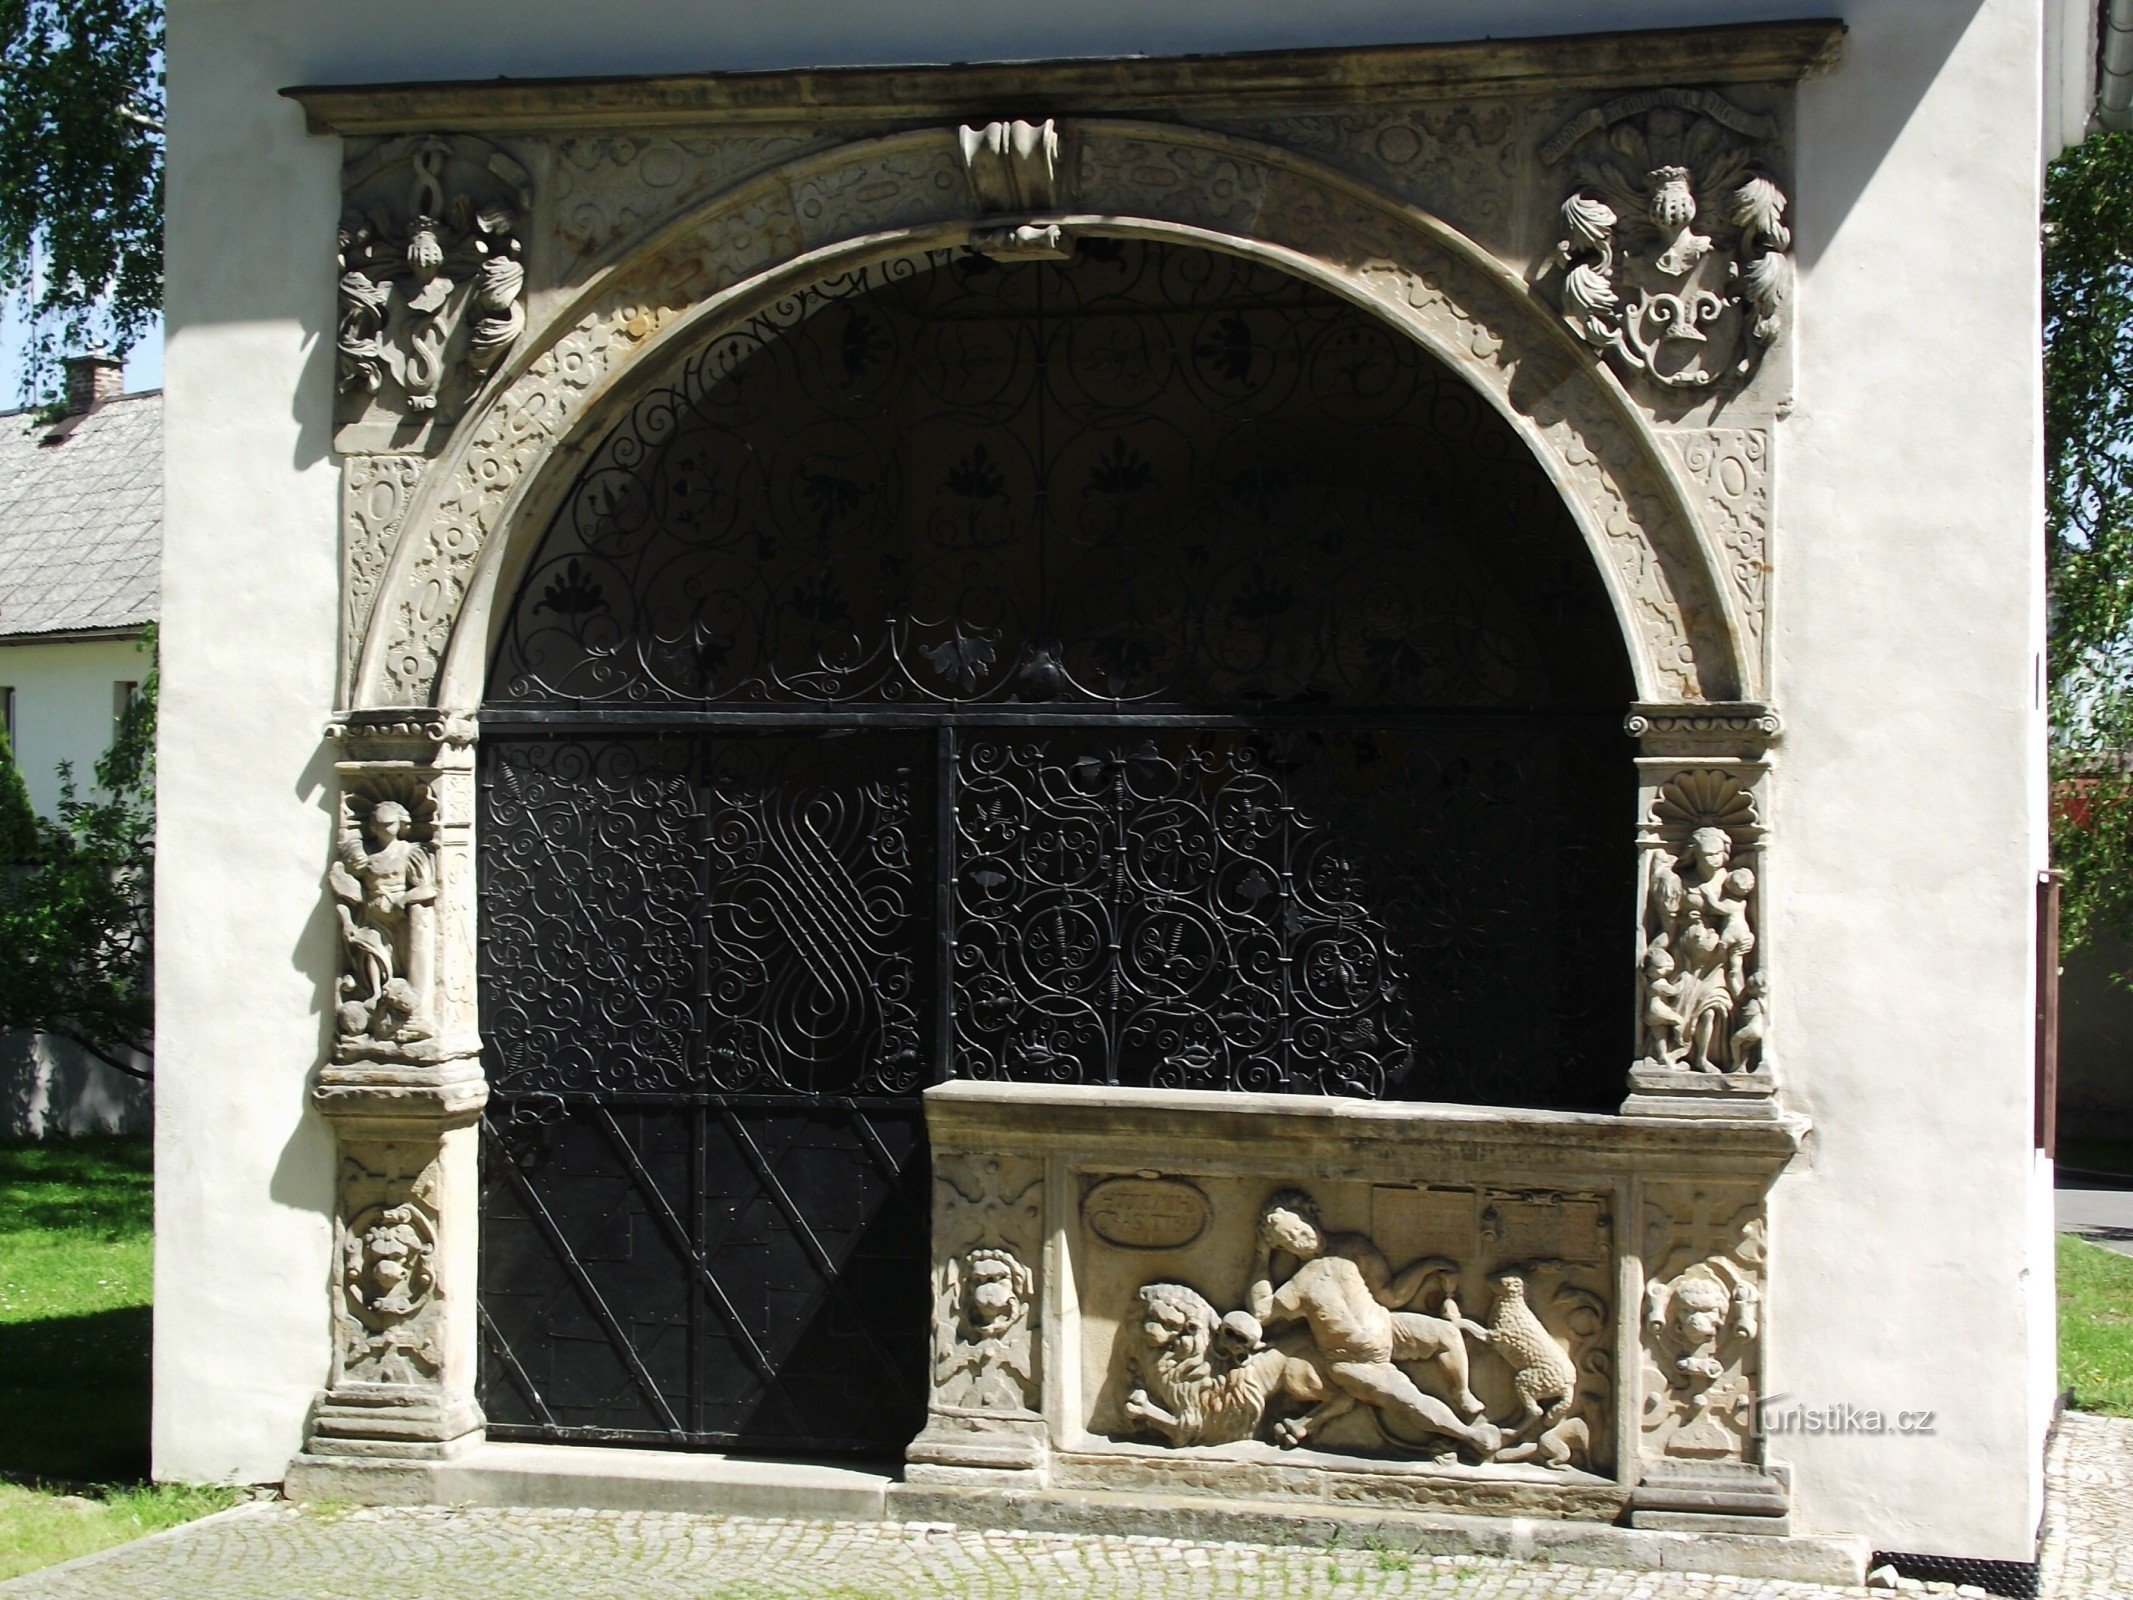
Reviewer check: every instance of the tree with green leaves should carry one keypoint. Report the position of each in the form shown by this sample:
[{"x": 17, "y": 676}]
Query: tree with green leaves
[
  {"x": 77, "y": 903},
  {"x": 81, "y": 175}
]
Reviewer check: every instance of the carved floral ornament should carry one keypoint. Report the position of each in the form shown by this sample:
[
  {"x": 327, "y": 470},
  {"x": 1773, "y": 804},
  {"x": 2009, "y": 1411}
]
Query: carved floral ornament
[
  {"x": 1674, "y": 255},
  {"x": 844, "y": 207}
]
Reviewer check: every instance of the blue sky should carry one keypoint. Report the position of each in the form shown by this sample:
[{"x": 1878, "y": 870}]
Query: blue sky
[{"x": 144, "y": 362}]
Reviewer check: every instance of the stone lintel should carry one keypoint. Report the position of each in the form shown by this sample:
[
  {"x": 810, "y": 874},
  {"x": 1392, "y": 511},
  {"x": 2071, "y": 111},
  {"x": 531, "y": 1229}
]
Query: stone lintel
[
  {"x": 1780, "y": 52},
  {"x": 1248, "y": 1131}
]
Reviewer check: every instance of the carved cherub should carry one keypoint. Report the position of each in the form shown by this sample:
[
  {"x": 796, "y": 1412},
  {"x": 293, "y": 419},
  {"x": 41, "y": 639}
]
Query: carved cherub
[
  {"x": 983, "y": 1360},
  {"x": 384, "y": 885}
]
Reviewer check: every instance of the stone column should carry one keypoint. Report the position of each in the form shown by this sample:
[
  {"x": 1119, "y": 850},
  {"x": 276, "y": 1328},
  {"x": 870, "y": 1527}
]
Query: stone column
[
  {"x": 1703, "y": 965},
  {"x": 403, "y": 1089}
]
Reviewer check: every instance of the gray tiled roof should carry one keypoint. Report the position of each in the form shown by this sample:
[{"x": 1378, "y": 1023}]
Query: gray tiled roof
[{"x": 81, "y": 518}]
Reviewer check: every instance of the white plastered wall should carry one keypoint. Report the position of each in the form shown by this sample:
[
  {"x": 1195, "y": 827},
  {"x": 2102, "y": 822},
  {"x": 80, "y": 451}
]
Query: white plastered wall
[
  {"x": 1908, "y": 617},
  {"x": 66, "y": 706}
]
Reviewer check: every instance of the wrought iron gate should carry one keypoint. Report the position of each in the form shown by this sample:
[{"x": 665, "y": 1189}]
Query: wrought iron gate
[{"x": 1149, "y": 670}]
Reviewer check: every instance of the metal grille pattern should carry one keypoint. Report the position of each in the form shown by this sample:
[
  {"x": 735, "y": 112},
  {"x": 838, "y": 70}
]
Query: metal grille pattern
[{"x": 1147, "y": 670}]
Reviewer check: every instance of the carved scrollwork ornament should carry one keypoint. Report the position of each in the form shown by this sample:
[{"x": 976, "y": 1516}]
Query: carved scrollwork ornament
[
  {"x": 1674, "y": 256},
  {"x": 432, "y": 274}
]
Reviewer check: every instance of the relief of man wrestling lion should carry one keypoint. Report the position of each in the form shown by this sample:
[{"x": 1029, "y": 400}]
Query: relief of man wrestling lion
[{"x": 1345, "y": 1337}]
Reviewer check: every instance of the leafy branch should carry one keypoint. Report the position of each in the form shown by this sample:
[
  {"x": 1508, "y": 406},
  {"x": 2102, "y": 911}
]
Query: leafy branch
[{"x": 81, "y": 174}]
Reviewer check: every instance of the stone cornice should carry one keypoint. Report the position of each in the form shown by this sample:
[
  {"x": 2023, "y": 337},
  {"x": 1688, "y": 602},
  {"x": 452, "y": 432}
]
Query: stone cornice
[{"x": 1778, "y": 52}]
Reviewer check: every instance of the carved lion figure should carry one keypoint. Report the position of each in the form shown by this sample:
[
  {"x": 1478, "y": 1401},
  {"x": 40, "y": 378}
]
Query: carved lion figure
[{"x": 1200, "y": 1378}]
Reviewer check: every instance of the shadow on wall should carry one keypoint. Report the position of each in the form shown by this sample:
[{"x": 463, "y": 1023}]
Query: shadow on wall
[{"x": 52, "y": 1089}]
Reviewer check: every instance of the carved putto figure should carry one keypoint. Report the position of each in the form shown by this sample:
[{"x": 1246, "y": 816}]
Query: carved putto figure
[
  {"x": 385, "y": 890},
  {"x": 425, "y": 263},
  {"x": 986, "y": 1364},
  {"x": 1703, "y": 1005},
  {"x": 1674, "y": 253}
]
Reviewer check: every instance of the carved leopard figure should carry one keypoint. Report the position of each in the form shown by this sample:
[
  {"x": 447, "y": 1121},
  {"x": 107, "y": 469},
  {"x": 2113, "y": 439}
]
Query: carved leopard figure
[{"x": 1542, "y": 1373}]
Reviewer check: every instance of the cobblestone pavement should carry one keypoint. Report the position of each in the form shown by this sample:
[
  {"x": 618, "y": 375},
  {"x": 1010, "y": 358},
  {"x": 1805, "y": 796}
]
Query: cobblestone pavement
[
  {"x": 274, "y": 1551},
  {"x": 2088, "y": 1528}
]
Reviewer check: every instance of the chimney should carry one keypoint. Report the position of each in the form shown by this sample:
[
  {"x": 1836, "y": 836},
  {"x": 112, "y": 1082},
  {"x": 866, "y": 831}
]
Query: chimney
[{"x": 92, "y": 379}]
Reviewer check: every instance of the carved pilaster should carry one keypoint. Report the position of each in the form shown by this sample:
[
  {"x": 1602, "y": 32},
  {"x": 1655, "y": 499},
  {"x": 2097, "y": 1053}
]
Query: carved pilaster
[
  {"x": 988, "y": 1242},
  {"x": 1704, "y": 1043},
  {"x": 1705, "y": 1263},
  {"x": 403, "y": 1089}
]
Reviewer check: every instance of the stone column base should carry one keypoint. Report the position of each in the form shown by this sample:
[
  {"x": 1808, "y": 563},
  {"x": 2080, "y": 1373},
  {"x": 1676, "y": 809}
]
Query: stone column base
[
  {"x": 979, "y": 1447},
  {"x": 1670, "y": 1092},
  {"x": 1712, "y": 1497},
  {"x": 402, "y": 1422}
]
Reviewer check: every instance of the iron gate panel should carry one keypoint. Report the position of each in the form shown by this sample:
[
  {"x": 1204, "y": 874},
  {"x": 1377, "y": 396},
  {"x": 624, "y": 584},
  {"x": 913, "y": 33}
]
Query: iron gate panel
[
  {"x": 704, "y": 1178},
  {"x": 1144, "y": 670}
]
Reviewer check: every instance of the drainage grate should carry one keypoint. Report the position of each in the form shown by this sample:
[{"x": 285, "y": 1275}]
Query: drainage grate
[{"x": 2017, "y": 1579}]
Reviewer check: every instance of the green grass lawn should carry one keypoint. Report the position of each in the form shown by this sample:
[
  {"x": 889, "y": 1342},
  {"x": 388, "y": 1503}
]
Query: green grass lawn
[
  {"x": 2096, "y": 1326},
  {"x": 76, "y": 1222}
]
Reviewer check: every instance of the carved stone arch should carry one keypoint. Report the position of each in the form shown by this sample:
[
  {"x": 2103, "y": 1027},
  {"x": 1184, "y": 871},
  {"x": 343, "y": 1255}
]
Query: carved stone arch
[{"x": 427, "y": 637}]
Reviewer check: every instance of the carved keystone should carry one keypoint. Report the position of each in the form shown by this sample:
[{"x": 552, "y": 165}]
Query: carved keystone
[{"x": 1012, "y": 166}]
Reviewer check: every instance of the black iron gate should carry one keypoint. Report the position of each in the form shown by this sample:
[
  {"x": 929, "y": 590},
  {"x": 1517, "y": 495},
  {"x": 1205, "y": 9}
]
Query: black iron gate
[{"x": 1144, "y": 671}]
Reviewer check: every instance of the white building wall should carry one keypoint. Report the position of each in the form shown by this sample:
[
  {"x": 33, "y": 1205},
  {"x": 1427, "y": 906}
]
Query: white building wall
[
  {"x": 1909, "y": 808},
  {"x": 65, "y": 711},
  {"x": 65, "y": 707}
]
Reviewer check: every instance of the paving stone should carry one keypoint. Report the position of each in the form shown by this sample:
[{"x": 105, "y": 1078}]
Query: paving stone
[{"x": 277, "y": 1551}]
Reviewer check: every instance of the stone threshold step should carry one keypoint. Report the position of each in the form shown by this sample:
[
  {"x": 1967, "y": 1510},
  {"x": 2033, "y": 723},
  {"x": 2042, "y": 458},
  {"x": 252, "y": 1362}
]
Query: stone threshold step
[
  {"x": 584, "y": 1477},
  {"x": 571, "y": 1477}
]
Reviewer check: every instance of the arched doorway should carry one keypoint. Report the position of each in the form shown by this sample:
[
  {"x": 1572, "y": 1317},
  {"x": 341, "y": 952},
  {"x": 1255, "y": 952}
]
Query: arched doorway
[{"x": 1146, "y": 669}]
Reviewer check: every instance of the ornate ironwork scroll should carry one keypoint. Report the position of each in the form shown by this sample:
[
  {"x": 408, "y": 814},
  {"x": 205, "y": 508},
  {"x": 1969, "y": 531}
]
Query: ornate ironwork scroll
[{"x": 1144, "y": 669}]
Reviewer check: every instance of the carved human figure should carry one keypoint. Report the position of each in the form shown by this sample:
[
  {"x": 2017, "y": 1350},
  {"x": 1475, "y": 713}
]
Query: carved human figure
[
  {"x": 1698, "y": 911},
  {"x": 985, "y": 1363},
  {"x": 1344, "y": 1292},
  {"x": 385, "y": 886}
]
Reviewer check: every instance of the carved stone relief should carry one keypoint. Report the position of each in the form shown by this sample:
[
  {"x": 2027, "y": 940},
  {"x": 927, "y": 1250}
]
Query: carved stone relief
[
  {"x": 432, "y": 276},
  {"x": 919, "y": 180},
  {"x": 1674, "y": 257},
  {"x": 988, "y": 1214},
  {"x": 384, "y": 880},
  {"x": 1330, "y": 1344},
  {"x": 1704, "y": 1265},
  {"x": 1460, "y": 162},
  {"x": 1702, "y": 1002},
  {"x": 375, "y": 492},
  {"x": 1730, "y": 469},
  {"x": 613, "y": 190},
  {"x": 389, "y": 1295}
]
